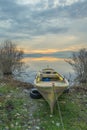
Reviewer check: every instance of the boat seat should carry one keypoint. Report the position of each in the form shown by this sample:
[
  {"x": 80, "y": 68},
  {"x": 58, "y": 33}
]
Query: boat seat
[{"x": 45, "y": 79}]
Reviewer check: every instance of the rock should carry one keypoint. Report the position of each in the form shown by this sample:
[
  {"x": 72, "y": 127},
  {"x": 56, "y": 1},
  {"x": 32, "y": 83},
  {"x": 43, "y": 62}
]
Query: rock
[
  {"x": 1, "y": 94},
  {"x": 58, "y": 124},
  {"x": 26, "y": 91},
  {"x": 51, "y": 115},
  {"x": 37, "y": 128}
]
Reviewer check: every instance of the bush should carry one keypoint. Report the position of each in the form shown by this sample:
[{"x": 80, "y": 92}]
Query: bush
[
  {"x": 10, "y": 57},
  {"x": 79, "y": 63}
]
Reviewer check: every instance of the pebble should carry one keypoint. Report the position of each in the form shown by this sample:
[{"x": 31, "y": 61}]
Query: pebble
[
  {"x": 7, "y": 128},
  {"x": 12, "y": 125},
  {"x": 26, "y": 91},
  {"x": 51, "y": 115},
  {"x": 2, "y": 84},
  {"x": 53, "y": 122},
  {"x": 29, "y": 127},
  {"x": 8, "y": 96},
  {"x": 58, "y": 124},
  {"x": 37, "y": 128},
  {"x": 17, "y": 114},
  {"x": 30, "y": 114},
  {"x": 1, "y": 94},
  {"x": 16, "y": 123}
]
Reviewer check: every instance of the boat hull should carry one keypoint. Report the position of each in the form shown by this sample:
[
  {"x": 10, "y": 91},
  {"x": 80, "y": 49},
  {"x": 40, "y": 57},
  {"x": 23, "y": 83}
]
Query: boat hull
[
  {"x": 51, "y": 85},
  {"x": 51, "y": 94}
]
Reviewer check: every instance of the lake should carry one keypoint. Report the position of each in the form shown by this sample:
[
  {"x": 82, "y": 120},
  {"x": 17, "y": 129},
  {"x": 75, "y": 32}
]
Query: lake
[{"x": 35, "y": 64}]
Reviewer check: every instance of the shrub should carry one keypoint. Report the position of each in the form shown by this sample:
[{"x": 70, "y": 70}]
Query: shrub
[
  {"x": 79, "y": 63},
  {"x": 10, "y": 57}
]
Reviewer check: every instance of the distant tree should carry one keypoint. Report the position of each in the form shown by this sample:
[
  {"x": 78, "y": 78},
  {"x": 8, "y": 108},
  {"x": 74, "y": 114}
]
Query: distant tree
[
  {"x": 10, "y": 57},
  {"x": 79, "y": 63}
]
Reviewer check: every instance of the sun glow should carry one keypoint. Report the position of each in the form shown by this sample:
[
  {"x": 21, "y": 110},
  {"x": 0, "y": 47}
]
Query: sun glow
[
  {"x": 50, "y": 51},
  {"x": 47, "y": 51}
]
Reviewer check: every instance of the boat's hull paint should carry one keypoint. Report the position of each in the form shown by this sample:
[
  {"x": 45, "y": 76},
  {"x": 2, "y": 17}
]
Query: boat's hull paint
[
  {"x": 51, "y": 85},
  {"x": 51, "y": 94}
]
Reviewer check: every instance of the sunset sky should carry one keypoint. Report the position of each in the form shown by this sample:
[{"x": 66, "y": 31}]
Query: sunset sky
[{"x": 44, "y": 26}]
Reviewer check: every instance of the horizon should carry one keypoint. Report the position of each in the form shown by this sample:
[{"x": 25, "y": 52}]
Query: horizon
[{"x": 55, "y": 55}]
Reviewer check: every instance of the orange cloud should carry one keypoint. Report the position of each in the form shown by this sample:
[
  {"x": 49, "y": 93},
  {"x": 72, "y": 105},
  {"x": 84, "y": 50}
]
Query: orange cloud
[
  {"x": 46, "y": 51},
  {"x": 50, "y": 50}
]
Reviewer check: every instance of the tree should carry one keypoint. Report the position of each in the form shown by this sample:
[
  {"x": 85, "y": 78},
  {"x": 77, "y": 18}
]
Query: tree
[
  {"x": 79, "y": 63},
  {"x": 10, "y": 57}
]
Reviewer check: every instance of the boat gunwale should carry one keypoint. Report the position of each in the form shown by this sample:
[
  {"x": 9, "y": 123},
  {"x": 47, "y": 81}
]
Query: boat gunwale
[{"x": 51, "y": 83}]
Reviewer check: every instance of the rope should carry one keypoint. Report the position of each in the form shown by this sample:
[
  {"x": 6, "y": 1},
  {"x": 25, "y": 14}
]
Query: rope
[
  {"x": 61, "y": 119},
  {"x": 60, "y": 115}
]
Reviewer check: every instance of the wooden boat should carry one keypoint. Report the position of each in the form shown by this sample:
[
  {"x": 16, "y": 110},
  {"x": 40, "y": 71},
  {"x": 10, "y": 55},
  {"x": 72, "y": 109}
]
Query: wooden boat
[{"x": 51, "y": 85}]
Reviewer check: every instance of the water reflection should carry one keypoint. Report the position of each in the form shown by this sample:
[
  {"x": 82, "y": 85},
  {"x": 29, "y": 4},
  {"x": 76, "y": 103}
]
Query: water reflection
[
  {"x": 51, "y": 59},
  {"x": 36, "y": 64}
]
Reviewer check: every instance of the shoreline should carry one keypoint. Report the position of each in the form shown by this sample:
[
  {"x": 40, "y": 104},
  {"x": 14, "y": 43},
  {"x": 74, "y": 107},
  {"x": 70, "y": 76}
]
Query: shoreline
[{"x": 17, "y": 83}]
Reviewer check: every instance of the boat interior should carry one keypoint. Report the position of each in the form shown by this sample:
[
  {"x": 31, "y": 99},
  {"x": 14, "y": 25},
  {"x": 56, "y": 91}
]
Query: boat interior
[{"x": 47, "y": 75}]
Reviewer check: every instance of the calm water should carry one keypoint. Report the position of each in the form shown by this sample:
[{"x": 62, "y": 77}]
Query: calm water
[{"x": 33, "y": 65}]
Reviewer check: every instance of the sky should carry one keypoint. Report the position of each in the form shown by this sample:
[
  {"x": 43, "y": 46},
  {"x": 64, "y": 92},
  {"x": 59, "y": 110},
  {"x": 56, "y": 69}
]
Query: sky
[{"x": 44, "y": 26}]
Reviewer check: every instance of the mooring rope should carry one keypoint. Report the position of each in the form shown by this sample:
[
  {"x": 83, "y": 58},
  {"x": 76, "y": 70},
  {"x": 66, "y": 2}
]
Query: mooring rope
[
  {"x": 60, "y": 115},
  {"x": 61, "y": 118}
]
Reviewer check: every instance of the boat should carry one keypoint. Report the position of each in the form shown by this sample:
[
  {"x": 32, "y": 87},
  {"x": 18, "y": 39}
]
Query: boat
[{"x": 50, "y": 85}]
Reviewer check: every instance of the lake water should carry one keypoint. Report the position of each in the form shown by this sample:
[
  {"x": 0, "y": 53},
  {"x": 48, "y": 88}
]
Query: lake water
[{"x": 35, "y": 64}]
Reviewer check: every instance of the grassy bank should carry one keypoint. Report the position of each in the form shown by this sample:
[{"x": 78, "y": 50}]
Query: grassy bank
[
  {"x": 19, "y": 112},
  {"x": 13, "y": 111},
  {"x": 73, "y": 108}
]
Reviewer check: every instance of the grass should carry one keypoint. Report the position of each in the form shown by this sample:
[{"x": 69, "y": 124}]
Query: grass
[
  {"x": 74, "y": 114},
  {"x": 13, "y": 112},
  {"x": 15, "y": 107}
]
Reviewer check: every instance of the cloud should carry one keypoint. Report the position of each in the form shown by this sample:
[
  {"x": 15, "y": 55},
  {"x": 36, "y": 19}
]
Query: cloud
[
  {"x": 28, "y": 1},
  {"x": 24, "y": 20}
]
